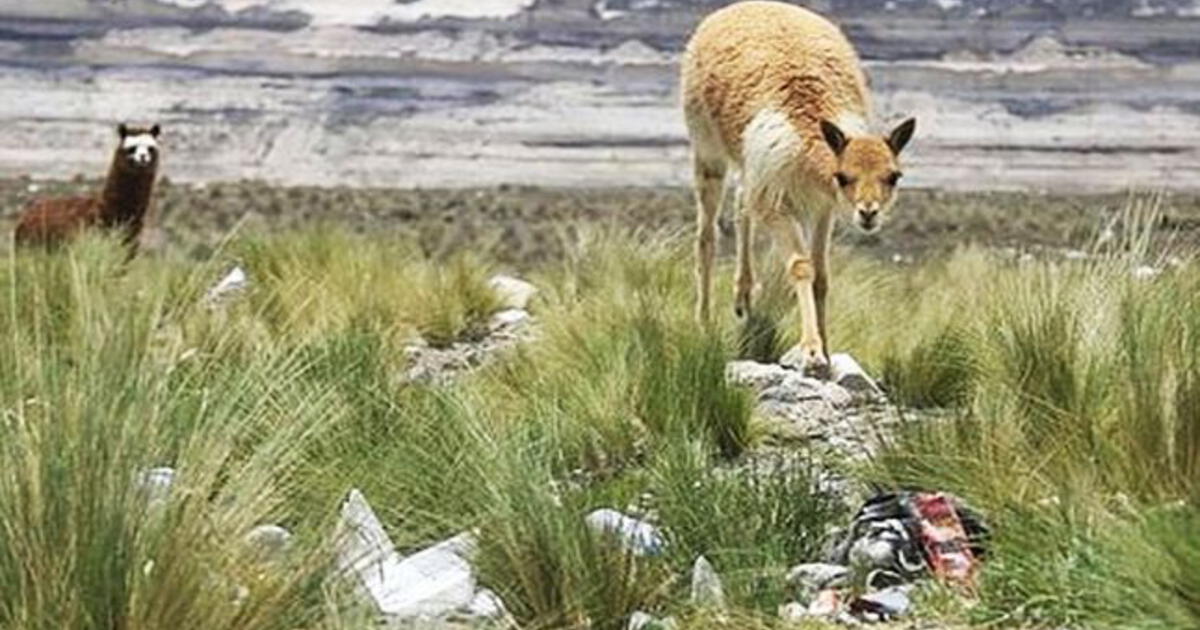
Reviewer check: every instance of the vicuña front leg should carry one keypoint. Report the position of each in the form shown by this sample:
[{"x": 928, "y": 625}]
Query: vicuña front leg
[
  {"x": 809, "y": 354},
  {"x": 822, "y": 234}
]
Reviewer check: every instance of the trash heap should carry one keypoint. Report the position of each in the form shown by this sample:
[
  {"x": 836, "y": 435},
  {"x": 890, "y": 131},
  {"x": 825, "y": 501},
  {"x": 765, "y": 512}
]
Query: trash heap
[{"x": 895, "y": 539}]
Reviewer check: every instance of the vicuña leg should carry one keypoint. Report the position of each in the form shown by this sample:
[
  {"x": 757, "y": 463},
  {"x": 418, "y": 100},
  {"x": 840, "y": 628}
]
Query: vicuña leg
[
  {"x": 802, "y": 271},
  {"x": 821, "y": 235},
  {"x": 709, "y": 180},
  {"x": 744, "y": 282}
]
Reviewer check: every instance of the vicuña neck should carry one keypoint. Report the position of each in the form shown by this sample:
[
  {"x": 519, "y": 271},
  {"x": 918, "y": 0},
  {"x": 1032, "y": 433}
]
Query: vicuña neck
[{"x": 126, "y": 193}]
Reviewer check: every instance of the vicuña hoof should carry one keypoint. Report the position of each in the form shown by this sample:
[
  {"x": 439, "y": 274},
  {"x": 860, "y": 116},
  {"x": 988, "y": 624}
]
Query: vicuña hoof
[{"x": 808, "y": 361}]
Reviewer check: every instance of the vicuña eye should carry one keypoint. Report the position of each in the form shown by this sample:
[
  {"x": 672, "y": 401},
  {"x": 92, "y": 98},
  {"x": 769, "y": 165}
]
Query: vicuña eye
[
  {"x": 843, "y": 179},
  {"x": 893, "y": 178}
]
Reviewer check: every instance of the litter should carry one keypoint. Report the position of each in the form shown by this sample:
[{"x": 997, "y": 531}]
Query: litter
[
  {"x": 431, "y": 583},
  {"x": 638, "y": 537},
  {"x": 894, "y": 540},
  {"x": 233, "y": 282}
]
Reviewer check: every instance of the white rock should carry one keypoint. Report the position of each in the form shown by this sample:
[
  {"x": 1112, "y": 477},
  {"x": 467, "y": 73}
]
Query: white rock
[
  {"x": 850, "y": 375},
  {"x": 514, "y": 293},
  {"x": 233, "y": 282},
  {"x": 156, "y": 483},
  {"x": 707, "y": 590},
  {"x": 268, "y": 542},
  {"x": 639, "y": 537},
  {"x": 641, "y": 620},
  {"x": 1146, "y": 272},
  {"x": 430, "y": 583},
  {"x": 508, "y": 318}
]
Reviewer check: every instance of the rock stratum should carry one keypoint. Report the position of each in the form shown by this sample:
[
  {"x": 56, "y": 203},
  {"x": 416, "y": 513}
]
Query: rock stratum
[{"x": 1067, "y": 95}]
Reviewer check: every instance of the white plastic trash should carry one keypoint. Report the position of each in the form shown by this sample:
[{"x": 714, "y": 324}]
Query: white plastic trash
[
  {"x": 430, "y": 583},
  {"x": 639, "y": 537},
  {"x": 234, "y": 281}
]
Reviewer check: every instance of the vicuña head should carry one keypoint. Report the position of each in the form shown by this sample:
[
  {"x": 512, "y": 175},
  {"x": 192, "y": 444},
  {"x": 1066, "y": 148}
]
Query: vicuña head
[
  {"x": 868, "y": 169},
  {"x": 139, "y": 146}
]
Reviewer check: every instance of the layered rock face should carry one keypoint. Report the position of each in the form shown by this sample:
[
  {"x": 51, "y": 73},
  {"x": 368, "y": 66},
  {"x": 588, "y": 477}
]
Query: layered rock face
[{"x": 1066, "y": 95}]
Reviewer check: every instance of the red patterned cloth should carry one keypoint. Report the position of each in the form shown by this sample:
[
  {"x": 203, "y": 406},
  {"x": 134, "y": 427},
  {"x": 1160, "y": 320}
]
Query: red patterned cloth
[{"x": 944, "y": 540}]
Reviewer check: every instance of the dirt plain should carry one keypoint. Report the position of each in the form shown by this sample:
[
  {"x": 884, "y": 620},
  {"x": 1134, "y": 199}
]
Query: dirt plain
[{"x": 526, "y": 225}]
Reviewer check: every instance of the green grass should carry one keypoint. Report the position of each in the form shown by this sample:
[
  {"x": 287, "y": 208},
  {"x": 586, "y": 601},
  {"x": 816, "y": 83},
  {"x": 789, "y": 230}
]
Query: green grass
[{"x": 1068, "y": 397}]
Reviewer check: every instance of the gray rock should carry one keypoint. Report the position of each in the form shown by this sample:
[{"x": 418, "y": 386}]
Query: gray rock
[
  {"x": 514, "y": 293},
  {"x": 795, "y": 388},
  {"x": 707, "y": 590},
  {"x": 816, "y": 576},
  {"x": 850, "y": 375},
  {"x": 837, "y": 395},
  {"x": 754, "y": 374},
  {"x": 267, "y": 543}
]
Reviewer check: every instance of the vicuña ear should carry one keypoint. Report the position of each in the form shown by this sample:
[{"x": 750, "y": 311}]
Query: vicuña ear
[
  {"x": 122, "y": 130},
  {"x": 901, "y": 135},
  {"x": 833, "y": 137},
  {"x": 155, "y": 130}
]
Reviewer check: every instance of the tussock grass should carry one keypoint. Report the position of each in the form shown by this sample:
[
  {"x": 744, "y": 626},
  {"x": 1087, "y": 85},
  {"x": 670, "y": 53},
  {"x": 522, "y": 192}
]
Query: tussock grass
[{"x": 1068, "y": 396}]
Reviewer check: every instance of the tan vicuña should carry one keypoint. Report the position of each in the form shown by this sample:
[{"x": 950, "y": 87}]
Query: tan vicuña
[{"x": 775, "y": 94}]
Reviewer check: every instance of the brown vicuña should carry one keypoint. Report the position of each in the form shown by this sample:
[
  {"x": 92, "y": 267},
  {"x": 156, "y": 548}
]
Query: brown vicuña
[
  {"x": 775, "y": 93},
  {"x": 122, "y": 204}
]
